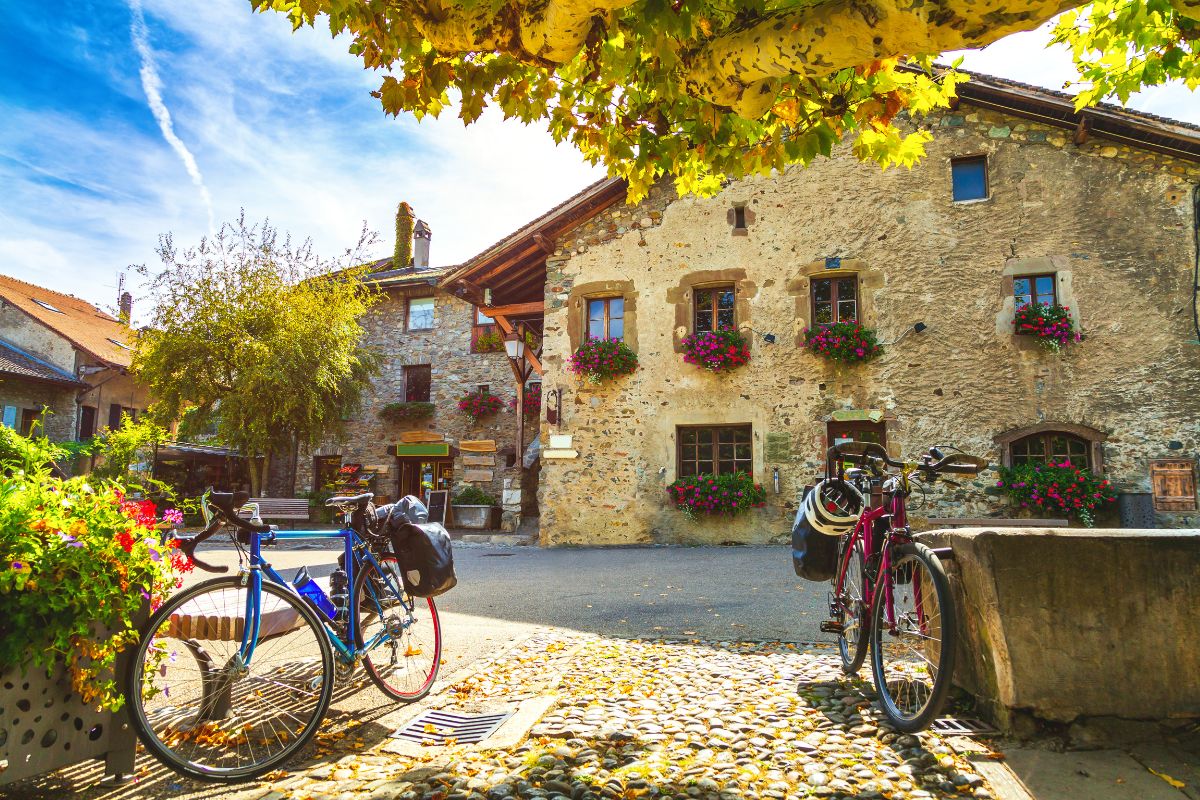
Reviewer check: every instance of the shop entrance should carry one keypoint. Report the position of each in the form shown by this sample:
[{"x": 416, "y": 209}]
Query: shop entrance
[{"x": 416, "y": 476}]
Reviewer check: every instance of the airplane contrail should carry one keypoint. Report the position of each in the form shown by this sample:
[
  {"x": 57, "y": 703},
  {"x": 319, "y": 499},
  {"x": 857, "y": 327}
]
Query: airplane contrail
[{"x": 152, "y": 85}]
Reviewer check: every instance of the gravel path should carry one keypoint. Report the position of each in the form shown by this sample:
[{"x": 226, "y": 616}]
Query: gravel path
[{"x": 628, "y": 719}]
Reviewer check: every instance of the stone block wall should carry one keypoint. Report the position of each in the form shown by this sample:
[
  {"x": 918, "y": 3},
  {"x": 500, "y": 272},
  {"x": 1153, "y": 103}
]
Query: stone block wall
[
  {"x": 60, "y": 422},
  {"x": 455, "y": 370},
  {"x": 1114, "y": 222}
]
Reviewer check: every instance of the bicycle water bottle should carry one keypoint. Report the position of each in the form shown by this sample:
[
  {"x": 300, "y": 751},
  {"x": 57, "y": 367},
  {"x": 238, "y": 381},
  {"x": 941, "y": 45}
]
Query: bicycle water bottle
[
  {"x": 339, "y": 593},
  {"x": 311, "y": 591}
]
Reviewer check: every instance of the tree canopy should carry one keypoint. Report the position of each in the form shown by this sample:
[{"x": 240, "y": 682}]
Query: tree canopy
[
  {"x": 707, "y": 89},
  {"x": 257, "y": 335}
]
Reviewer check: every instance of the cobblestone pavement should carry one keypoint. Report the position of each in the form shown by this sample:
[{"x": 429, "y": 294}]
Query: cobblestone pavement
[{"x": 627, "y": 720}]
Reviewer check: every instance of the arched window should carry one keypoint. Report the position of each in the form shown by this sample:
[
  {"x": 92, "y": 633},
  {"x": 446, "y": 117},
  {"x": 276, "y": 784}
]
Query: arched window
[
  {"x": 1053, "y": 443},
  {"x": 1051, "y": 447}
]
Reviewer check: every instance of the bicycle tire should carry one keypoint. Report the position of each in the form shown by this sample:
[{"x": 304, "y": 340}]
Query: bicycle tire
[
  {"x": 925, "y": 570},
  {"x": 247, "y": 703},
  {"x": 418, "y": 631},
  {"x": 853, "y": 651}
]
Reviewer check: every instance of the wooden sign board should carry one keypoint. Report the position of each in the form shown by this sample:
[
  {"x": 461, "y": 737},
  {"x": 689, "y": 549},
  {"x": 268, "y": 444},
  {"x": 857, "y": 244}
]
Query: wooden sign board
[
  {"x": 479, "y": 461},
  {"x": 477, "y": 446},
  {"x": 420, "y": 437},
  {"x": 477, "y": 476},
  {"x": 438, "y": 502}
]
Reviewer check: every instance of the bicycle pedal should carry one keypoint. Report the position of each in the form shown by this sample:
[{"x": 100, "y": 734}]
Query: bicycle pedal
[{"x": 832, "y": 626}]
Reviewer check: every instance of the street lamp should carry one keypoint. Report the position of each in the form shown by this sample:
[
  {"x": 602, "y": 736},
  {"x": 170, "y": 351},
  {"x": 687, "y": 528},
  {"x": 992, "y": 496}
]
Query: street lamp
[{"x": 514, "y": 345}]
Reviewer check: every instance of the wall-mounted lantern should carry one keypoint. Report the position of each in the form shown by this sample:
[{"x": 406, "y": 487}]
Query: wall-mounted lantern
[
  {"x": 776, "y": 475},
  {"x": 514, "y": 345}
]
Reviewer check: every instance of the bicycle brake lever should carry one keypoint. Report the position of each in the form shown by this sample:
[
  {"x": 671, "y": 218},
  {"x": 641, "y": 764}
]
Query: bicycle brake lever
[{"x": 188, "y": 547}]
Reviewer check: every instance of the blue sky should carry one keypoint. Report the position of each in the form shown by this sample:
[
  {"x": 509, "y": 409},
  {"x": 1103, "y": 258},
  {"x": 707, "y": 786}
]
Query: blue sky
[{"x": 281, "y": 124}]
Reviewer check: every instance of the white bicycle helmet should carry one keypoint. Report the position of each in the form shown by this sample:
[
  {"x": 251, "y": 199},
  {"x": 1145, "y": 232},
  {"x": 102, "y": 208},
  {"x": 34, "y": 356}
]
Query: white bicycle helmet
[{"x": 833, "y": 506}]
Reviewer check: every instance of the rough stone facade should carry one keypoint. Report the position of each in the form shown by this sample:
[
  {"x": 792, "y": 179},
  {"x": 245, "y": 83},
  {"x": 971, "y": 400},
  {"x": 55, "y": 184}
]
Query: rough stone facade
[
  {"x": 1113, "y": 222},
  {"x": 455, "y": 370}
]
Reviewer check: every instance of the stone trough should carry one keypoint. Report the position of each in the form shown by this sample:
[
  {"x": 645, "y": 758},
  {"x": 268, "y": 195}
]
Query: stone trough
[{"x": 1068, "y": 623}]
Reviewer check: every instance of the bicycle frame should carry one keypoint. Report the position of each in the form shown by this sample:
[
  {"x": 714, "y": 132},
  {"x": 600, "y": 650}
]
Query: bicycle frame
[{"x": 345, "y": 651}]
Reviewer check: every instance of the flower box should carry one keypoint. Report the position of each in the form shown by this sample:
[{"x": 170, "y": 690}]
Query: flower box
[
  {"x": 599, "y": 360},
  {"x": 533, "y": 401},
  {"x": 400, "y": 412},
  {"x": 477, "y": 405},
  {"x": 1050, "y": 324},
  {"x": 474, "y": 517},
  {"x": 727, "y": 495},
  {"x": 1046, "y": 489},
  {"x": 848, "y": 342},
  {"x": 716, "y": 351}
]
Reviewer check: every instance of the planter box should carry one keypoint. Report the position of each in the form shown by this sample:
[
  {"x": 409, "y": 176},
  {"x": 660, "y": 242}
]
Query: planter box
[
  {"x": 45, "y": 726},
  {"x": 473, "y": 517}
]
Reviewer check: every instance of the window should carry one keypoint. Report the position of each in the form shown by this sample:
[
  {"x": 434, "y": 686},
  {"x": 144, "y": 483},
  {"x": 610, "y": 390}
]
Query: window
[
  {"x": 1034, "y": 289},
  {"x": 969, "y": 178},
  {"x": 483, "y": 388},
  {"x": 114, "y": 415},
  {"x": 485, "y": 328},
  {"x": 1174, "y": 485},
  {"x": 715, "y": 450},
  {"x": 606, "y": 318},
  {"x": 1051, "y": 447},
  {"x": 417, "y": 379},
  {"x": 713, "y": 309},
  {"x": 420, "y": 313},
  {"x": 481, "y": 318},
  {"x": 87, "y": 422},
  {"x": 28, "y": 418},
  {"x": 834, "y": 300},
  {"x": 45, "y": 305}
]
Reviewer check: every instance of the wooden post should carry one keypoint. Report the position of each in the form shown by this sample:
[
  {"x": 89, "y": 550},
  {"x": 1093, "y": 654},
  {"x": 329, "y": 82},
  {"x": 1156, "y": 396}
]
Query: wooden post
[{"x": 521, "y": 425}]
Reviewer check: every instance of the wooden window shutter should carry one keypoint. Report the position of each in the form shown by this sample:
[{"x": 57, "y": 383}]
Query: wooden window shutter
[{"x": 1174, "y": 485}]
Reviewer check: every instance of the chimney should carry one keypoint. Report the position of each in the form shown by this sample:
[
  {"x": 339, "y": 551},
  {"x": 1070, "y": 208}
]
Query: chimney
[
  {"x": 126, "y": 307},
  {"x": 402, "y": 256},
  {"x": 421, "y": 236}
]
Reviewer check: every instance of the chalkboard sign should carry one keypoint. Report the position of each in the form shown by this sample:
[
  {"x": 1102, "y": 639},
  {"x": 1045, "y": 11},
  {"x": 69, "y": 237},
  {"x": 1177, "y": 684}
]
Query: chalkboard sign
[{"x": 438, "y": 500}]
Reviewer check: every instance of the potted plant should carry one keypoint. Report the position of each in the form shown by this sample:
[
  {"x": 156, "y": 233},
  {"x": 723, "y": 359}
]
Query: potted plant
[
  {"x": 479, "y": 404},
  {"x": 848, "y": 342},
  {"x": 1050, "y": 324},
  {"x": 401, "y": 412},
  {"x": 1044, "y": 489},
  {"x": 533, "y": 401},
  {"x": 473, "y": 508},
  {"x": 728, "y": 494},
  {"x": 598, "y": 360},
  {"x": 489, "y": 342},
  {"x": 716, "y": 351}
]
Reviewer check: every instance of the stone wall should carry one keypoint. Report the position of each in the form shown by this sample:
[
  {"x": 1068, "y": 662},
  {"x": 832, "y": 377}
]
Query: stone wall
[
  {"x": 58, "y": 400},
  {"x": 1113, "y": 221},
  {"x": 455, "y": 370}
]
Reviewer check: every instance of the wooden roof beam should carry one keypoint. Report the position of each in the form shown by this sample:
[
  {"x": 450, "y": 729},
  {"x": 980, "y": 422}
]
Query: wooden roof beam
[
  {"x": 533, "y": 360},
  {"x": 514, "y": 310}
]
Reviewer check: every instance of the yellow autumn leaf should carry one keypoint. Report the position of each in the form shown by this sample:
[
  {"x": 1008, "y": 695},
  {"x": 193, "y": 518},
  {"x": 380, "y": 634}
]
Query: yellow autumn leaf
[{"x": 1178, "y": 784}]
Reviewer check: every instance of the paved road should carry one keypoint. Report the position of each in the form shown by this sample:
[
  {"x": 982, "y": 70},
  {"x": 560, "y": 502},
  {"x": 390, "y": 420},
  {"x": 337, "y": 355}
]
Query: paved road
[{"x": 747, "y": 593}]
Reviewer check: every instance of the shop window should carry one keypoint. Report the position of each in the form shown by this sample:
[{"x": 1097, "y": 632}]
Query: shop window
[
  {"x": 713, "y": 309},
  {"x": 417, "y": 380},
  {"x": 1173, "y": 483},
  {"x": 714, "y": 450},
  {"x": 834, "y": 300},
  {"x": 420, "y": 313},
  {"x": 1034, "y": 289},
  {"x": 1051, "y": 447},
  {"x": 326, "y": 471},
  {"x": 969, "y": 178},
  {"x": 606, "y": 318}
]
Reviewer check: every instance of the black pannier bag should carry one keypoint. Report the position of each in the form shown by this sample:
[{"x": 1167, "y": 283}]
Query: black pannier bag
[
  {"x": 814, "y": 555},
  {"x": 423, "y": 548}
]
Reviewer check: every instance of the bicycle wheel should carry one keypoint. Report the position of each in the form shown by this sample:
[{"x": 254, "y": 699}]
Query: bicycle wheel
[
  {"x": 848, "y": 607},
  {"x": 401, "y": 635},
  {"x": 913, "y": 662},
  {"x": 200, "y": 707}
]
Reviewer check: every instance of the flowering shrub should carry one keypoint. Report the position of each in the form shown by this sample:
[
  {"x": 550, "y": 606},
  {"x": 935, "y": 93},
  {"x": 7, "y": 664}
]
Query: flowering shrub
[
  {"x": 600, "y": 359},
  {"x": 843, "y": 341},
  {"x": 479, "y": 404},
  {"x": 716, "y": 351},
  {"x": 533, "y": 401},
  {"x": 489, "y": 342},
  {"x": 716, "y": 494},
  {"x": 1051, "y": 488},
  {"x": 473, "y": 496},
  {"x": 78, "y": 561},
  {"x": 1051, "y": 324},
  {"x": 399, "y": 412}
]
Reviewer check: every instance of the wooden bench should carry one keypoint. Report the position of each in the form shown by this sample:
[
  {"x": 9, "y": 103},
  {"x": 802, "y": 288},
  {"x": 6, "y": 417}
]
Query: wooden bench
[
  {"x": 285, "y": 508},
  {"x": 213, "y": 627},
  {"x": 994, "y": 522}
]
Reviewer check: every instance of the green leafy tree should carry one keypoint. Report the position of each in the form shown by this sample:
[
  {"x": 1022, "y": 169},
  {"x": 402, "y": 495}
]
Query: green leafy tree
[
  {"x": 1121, "y": 46},
  {"x": 702, "y": 90},
  {"x": 260, "y": 336},
  {"x": 130, "y": 444}
]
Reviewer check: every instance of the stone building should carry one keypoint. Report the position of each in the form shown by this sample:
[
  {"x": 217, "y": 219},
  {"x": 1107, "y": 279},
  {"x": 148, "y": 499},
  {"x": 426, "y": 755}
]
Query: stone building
[
  {"x": 65, "y": 356},
  {"x": 1018, "y": 196},
  {"x": 435, "y": 347}
]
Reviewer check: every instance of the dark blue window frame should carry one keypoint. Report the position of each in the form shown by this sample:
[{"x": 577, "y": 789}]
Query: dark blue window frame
[{"x": 969, "y": 178}]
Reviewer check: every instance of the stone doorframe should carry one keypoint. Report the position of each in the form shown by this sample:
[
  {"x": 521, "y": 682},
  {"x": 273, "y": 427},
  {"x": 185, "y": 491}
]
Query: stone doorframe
[
  {"x": 680, "y": 296},
  {"x": 870, "y": 281}
]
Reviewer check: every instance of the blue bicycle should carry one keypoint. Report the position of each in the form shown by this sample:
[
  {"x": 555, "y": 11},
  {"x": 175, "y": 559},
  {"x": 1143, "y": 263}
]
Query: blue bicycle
[{"x": 233, "y": 676}]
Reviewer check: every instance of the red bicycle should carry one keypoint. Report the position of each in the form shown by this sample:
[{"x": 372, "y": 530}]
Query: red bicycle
[{"x": 891, "y": 591}]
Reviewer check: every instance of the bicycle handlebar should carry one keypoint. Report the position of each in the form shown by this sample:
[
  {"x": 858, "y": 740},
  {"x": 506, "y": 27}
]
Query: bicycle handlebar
[
  {"x": 872, "y": 454},
  {"x": 225, "y": 505}
]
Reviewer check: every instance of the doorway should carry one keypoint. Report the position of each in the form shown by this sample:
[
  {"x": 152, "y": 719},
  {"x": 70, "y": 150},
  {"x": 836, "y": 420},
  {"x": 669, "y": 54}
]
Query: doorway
[{"x": 416, "y": 476}]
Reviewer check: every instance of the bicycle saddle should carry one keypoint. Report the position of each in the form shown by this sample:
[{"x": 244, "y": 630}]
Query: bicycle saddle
[
  {"x": 358, "y": 500},
  {"x": 228, "y": 502}
]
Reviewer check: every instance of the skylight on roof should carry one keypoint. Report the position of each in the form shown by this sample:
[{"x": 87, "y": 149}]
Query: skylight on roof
[
  {"x": 45, "y": 305},
  {"x": 121, "y": 345}
]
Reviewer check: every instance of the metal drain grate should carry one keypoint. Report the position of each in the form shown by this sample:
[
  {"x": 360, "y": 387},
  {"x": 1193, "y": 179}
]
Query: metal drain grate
[
  {"x": 435, "y": 727},
  {"x": 962, "y": 726}
]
